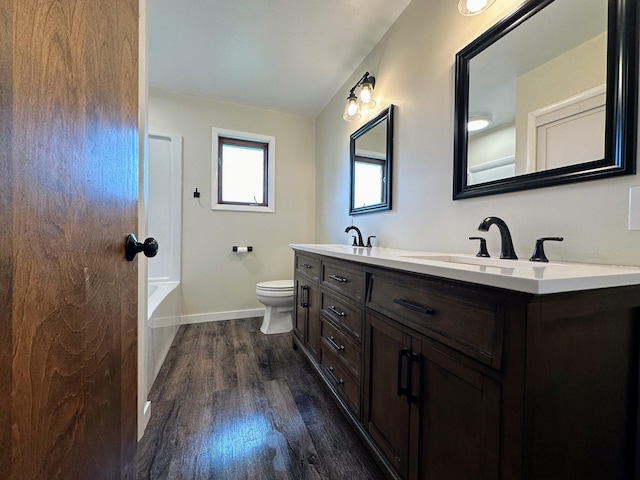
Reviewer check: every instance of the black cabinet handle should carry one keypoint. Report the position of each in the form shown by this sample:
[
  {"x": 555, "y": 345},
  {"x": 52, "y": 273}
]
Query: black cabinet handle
[
  {"x": 411, "y": 358},
  {"x": 339, "y": 381},
  {"x": 412, "y": 306},
  {"x": 333, "y": 343},
  {"x": 336, "y": 311},
  {"x": 304, "y": 296},
  {"x": 338, "y": 279},
  {"x": 407, "y": 388},
  {"x": 306, "y": 265},
  {"x": 402, "y": 389}
]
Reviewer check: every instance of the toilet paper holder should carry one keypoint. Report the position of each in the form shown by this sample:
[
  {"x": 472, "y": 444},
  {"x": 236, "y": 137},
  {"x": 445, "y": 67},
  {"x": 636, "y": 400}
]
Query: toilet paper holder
[{"x": 242, "y": 249}]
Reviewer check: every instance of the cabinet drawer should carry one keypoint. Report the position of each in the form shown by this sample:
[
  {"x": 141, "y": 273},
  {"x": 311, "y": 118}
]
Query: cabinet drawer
[
  {"x": 471, "y": 327},
  {"x": 345, "y": 279},
  {"x": 308, "y": 266},
  {"x": 337, "y": 374},
  {"x": 343, "y": 348},
  {"x": 343, "y": 314}
]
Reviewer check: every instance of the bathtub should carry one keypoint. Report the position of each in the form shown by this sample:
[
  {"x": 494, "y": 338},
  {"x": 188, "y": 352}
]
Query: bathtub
[
  {"x": 164, "y": 223},
  {"x": 161, "y": 303}
]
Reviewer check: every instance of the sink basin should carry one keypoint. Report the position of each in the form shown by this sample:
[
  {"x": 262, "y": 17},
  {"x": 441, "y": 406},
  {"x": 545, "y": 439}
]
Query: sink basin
[{"x": 483, "y": 261}]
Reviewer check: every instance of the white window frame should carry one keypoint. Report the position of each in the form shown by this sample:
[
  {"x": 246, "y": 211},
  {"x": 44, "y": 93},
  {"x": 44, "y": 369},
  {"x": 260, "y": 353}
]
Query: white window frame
[{"x": 271, "y": 170}]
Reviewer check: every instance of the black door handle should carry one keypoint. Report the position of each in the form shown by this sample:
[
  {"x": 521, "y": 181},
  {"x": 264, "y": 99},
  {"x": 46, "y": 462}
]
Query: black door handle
[{"x": 132, "y": 247}]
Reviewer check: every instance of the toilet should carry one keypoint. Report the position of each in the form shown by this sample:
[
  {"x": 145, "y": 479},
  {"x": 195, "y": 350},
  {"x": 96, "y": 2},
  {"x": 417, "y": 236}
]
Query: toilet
[{"x": 277, "y": 297}]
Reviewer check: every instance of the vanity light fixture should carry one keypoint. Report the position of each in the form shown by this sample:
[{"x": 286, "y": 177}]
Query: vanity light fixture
[
  {"x": 478, "y": 122},
  {"x": 354, "y": 107},
  {"x": 469, "y": 8}
]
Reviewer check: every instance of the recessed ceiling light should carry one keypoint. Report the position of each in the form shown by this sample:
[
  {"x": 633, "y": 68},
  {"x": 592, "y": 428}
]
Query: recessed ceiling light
[
  {"x": 478, "y": 122},
  {"x": 469, "y": 8}
]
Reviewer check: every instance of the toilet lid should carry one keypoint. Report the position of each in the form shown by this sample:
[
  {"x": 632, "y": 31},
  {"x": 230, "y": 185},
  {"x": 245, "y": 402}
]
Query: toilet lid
[{"x": 276, "y": 285}]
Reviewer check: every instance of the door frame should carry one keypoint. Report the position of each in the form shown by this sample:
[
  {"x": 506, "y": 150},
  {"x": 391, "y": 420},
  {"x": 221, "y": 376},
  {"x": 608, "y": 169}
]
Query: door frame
[{"x": 144, "y": 405}]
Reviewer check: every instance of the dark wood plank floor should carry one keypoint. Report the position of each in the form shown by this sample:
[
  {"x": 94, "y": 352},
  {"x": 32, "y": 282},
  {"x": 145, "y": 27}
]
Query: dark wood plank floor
[{"x": 232, "y": 403}]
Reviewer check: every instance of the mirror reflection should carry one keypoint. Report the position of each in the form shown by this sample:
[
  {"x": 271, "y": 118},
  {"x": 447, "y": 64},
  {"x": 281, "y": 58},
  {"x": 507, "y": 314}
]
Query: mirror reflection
[
  {"x": 371, "y": 155},
  {"x": 542, "y": 90},
  {"x": 547, "y": 96}
]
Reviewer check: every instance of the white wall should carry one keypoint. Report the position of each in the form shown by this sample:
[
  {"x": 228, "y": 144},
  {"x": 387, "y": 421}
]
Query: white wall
[
  {"x": 217, "y": 283},
  {"x": 414, "y": 69}
]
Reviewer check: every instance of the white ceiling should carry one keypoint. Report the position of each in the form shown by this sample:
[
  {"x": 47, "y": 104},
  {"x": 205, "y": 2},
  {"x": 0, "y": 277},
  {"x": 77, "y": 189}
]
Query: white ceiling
[{"x": 286, "y": 55}]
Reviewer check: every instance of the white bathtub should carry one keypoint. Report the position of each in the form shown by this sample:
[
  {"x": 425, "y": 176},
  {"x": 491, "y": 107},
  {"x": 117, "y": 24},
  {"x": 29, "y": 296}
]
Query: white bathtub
[
  {"x": 164, "y": 224},
  {"x": 161, "y": 303}
]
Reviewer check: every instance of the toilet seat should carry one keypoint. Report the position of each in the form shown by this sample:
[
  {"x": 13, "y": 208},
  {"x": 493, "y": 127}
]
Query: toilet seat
[{"x": 275, "y": 287}]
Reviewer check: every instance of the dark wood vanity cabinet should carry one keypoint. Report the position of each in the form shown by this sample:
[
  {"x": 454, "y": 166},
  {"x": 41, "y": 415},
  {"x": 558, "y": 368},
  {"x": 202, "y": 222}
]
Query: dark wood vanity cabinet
[{"x": 448, "y": 380}]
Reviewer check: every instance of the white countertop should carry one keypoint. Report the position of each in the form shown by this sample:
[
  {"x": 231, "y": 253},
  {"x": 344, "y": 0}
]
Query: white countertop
[{"x": 518, "y": 275}]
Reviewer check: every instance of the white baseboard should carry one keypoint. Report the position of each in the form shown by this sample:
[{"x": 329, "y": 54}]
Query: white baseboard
[
  {"x": 205, "y": 317},
  {"x": 221, "y": 316}
]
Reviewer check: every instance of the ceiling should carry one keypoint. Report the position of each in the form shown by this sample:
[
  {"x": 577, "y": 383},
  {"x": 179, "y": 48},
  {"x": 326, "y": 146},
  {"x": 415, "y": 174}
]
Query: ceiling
[{"x": 286, "y": 55}]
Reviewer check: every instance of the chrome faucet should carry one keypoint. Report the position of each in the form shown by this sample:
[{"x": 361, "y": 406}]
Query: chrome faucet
[
  {"x": 506, "y": 248},
  {"x": 360, "y": 242}
]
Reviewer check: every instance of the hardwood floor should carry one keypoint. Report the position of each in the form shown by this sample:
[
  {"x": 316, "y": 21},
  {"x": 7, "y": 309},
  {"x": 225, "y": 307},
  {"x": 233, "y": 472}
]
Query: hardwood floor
[{"x": 232, "y": 403}]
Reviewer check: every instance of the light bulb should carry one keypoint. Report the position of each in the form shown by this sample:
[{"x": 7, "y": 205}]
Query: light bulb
[
  {"x": 352, "y": 107},
  {"x": 365, "y": 93}
]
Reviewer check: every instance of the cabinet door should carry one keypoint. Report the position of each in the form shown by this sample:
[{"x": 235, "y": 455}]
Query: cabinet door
[
  {"x": 386, "y": 414},
  {"x": 313, "y": 319},
  {"x": 459, "y": 421},
  {"x": 306, "y": 324},
  {"x": 300, "y": 317}
]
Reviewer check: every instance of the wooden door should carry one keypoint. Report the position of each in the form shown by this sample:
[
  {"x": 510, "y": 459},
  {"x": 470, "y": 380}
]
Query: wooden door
[
  {"x": 386, "y": 414},
  {"x": 68, "y": 197}
]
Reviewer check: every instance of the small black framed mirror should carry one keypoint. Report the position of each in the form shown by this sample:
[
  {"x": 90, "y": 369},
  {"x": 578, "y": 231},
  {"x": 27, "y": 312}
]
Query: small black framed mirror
[
  {"x": 559, "y": 81},
  {"x": 371, "y": 153}
]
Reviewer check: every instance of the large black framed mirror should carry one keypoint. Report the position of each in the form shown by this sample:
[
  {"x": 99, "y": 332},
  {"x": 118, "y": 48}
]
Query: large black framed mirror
[
  {"x": 371, "y": 152},
  {"x": 557, "y": 81}
]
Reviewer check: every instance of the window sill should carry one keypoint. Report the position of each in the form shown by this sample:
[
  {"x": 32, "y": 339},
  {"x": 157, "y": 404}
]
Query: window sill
[{"x": 243, "y": 208}]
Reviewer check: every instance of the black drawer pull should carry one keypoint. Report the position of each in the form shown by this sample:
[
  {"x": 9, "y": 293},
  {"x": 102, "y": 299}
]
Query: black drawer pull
[
  {"x": 336, "y": 311},
  {"x": 333, "y": 343},
  {"x": 338, "y": 279},
  {"x": 339, "y": 381},
  {"x": 412, "y": 306},
  {"x": 306, "y": 265}
]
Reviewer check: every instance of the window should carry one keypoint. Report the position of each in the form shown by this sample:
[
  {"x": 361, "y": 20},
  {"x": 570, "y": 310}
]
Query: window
[
  {"x": 242, "y": 171},
  {"x": 369, "y": 185}
]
